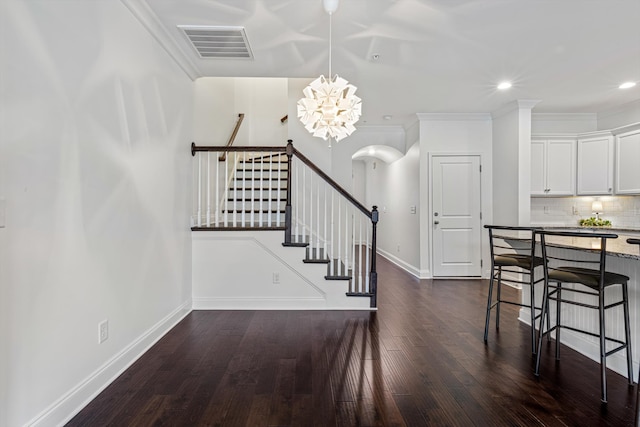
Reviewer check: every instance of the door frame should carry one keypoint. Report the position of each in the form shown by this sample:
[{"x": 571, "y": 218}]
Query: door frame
[{"x": 481, "y": 242}]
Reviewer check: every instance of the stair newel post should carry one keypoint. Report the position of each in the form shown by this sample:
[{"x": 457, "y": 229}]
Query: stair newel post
[
  {"x": 373, "y": 286},
  {"x": 287, "y": 208}
]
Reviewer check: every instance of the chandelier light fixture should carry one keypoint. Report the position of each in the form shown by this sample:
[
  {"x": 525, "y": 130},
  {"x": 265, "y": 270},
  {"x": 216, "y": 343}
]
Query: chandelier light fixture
[{"x": 330, "y": 107}]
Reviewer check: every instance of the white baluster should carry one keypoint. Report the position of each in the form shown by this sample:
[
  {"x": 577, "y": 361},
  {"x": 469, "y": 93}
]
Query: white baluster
[
  {"x": 297, "y": 201},
  {"x": 226, "y": 191},
  {"x": 217, "y": 217},
  {"x": 318, "y": 219},
  {"x": 253, "y": 186},
  {"x": 199, "y": 190},
  {"x": 270, "y": 192},
  {"x": 366, "y": 257},
  {"x": 310, "y": 212},
  {"x": 332, "y": 264},
  {"x": 353, "y": 252},
  {"x": 244, "y": 188},
  {"x": 339, "y": 236},
  {"x": 208, "y": 189},
  {"x": 324, "y": 230},
  {"x": 360, "y": 285},
  {"x": 278, "y": 194},
  {"x": 235, "y": 190},
  {"x": 304, "y": 201},
  {"x": 346, "y": 238}
]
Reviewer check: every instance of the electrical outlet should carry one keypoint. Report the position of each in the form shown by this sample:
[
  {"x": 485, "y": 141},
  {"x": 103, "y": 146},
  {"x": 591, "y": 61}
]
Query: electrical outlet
[
  {"x": 398, "y": 248},
  {"x": 103, "y": 331},
  {"x": 276, "y": 278}
]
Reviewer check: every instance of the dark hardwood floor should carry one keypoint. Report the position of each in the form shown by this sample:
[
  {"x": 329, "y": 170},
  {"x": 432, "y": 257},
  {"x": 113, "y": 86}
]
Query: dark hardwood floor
[{"x": 420, "y": 360}]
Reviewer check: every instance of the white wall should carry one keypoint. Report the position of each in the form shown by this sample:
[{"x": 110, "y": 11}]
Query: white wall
[
  {"x": 363, "y": 136},
  {"x": 219, "y": 100},
  {"x": 624, "y": 115},
  {"x": 452, "y": 133},
  {"x": 505, "y": 168},
  {"x": 300, "y": 286},
  {"x": 95, "y": 171},
  {"x": 563, "y": 123},
  {"x": 394, "y": 188}
]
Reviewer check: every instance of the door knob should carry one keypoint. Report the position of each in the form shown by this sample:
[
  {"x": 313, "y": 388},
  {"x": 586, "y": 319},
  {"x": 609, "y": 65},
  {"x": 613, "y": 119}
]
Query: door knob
[{"x": 436, "y": 222}]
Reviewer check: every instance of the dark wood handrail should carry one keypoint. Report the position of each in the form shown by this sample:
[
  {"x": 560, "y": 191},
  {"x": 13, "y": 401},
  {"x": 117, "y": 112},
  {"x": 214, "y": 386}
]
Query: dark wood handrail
[
  {"x": 195, "y": 148},
  {"x": 332, "y": 183},
  {"x": 295, "y": 152},
  {"x": 223, "y": 157}
]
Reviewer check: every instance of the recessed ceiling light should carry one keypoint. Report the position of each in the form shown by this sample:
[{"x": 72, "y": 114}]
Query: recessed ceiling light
[
  {"x": 387, "y": 117},
  {"x": 627, "y": 85},
  {"x": 504, "y": 85}
]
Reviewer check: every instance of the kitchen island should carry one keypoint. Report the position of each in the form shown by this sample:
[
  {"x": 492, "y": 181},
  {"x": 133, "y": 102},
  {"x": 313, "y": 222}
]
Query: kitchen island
[{"x": 622, "y": 258}]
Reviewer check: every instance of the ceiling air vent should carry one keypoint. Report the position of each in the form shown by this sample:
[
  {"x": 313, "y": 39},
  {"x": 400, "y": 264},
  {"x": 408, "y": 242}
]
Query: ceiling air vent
[{"x": 218, "y": 42}]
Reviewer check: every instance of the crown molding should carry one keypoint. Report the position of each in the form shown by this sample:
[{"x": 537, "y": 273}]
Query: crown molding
[{"x": 143, "y": 13}]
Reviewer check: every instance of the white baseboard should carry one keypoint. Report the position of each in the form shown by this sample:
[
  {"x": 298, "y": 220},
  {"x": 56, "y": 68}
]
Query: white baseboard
[
  {"x": 72, "y": 402},
  {"x": 404, "y": 265}
]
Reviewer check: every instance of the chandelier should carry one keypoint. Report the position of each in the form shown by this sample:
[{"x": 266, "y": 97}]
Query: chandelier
[{"x": 330, "y": 107}]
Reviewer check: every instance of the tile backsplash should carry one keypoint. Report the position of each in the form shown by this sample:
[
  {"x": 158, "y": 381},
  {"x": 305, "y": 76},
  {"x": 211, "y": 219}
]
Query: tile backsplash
[{"x": 622, "y": 211}]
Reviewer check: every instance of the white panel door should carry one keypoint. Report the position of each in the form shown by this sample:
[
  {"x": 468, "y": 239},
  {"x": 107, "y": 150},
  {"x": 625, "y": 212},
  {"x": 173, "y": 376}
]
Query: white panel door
[{"x": 456, "y": 222}]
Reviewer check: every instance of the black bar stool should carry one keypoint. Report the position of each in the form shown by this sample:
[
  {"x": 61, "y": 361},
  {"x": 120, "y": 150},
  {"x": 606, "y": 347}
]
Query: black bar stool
[
  {"x": 637, "y": 421},
  {"x": 589, "y": 281},
  {"x": 512, "y": 251}
]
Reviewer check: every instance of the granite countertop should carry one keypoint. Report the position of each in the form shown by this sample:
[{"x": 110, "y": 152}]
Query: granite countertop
[{"x": 616, "y": 247}]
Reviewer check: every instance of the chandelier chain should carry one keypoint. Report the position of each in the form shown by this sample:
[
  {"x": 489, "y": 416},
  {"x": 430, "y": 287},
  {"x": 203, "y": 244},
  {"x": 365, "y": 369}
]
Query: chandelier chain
[{"x": 330, "y": 31}]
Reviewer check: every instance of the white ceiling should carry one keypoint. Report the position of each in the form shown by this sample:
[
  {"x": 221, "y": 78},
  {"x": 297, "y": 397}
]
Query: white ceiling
[{"x": 435, "y": 56}]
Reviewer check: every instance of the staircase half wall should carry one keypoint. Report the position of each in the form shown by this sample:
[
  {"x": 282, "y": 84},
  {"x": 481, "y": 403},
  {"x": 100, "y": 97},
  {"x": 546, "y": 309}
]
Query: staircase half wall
[{"x": 252, "y": 271}]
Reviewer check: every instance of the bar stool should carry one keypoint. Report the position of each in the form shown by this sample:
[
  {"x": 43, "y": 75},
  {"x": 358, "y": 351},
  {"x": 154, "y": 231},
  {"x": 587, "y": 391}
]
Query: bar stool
[
  {"x": 512, "y": 251},
  {"x": 588, "y": 281},
  {"x": 637, "y": 421}
]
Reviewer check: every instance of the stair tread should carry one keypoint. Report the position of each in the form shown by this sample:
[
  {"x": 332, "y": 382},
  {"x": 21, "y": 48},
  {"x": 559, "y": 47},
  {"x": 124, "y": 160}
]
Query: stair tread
[
  {"x": 251, "y": 211},
  {"x": 256, "y": 200},
  {"x": 359, "y": 294},
  {"x": 295, "y": 244},
  {"x": 232, "y": 228},
  {"x": 316, "y": 261}
]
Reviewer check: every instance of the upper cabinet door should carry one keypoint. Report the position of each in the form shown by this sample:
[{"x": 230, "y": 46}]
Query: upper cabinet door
[
  {"x": 561, "y": 169},
  {"x": 628, "y": 163},
  {"x": 595, "y": 165}
]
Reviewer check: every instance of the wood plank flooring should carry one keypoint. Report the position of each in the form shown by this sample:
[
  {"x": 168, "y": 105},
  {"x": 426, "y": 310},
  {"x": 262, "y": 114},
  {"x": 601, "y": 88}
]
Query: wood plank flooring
[{"x": 420, "y": 360}]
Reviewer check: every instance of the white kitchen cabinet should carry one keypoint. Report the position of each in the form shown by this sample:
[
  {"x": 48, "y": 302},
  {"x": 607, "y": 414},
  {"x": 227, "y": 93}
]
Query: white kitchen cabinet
[
  {"x": 553, "y": 167},
  {"x": 595, "y": 164},
  {"x": 627, "y": 177}
]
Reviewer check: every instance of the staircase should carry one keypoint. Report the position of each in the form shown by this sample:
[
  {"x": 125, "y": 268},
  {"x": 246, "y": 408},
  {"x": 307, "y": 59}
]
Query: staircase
[
  {"x": 258, "y": 194},
  {"x": 279, "y": 189}
]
